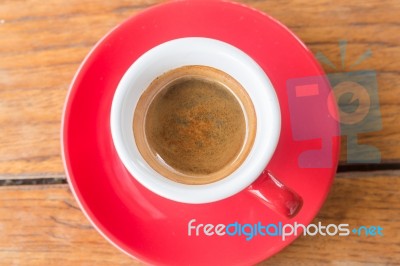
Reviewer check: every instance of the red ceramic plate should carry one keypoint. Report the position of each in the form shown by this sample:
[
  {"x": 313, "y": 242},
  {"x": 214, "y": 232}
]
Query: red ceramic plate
[{"x": 147, "y": 226}]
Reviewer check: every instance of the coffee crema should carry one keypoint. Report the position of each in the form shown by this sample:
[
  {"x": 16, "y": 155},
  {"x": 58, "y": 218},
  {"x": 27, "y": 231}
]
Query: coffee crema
[{"x": 194, "y": 125}]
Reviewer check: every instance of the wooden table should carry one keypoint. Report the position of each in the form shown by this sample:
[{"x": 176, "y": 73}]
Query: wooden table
[{"x": 41, "y": 46}]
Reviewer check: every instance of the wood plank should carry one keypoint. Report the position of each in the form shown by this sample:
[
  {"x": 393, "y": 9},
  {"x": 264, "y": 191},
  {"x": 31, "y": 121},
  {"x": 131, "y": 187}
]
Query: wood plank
[
  {"x": 42, "y": 45},
  {"x": 357, "y": 199},
  {"x": 366, "y": 26},
  {"x": 42, "y": 225}
]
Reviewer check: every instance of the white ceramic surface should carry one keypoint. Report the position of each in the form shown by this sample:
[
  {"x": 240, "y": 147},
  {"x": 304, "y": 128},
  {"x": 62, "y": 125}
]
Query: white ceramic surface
[{"x": 207, "y": 52}]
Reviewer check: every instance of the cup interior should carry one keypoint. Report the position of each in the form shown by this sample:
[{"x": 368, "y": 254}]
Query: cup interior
[
  {"x": 202, "y": 52},
  {"x": 194, "y": 125}
]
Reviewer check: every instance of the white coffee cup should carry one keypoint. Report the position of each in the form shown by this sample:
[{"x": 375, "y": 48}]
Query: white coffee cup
[{"x": 207, "y": 52}]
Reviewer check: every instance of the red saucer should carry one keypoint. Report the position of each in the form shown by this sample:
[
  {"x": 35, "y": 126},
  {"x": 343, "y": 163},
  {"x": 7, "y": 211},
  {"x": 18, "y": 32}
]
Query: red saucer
[{"x": 147, "y": 226}]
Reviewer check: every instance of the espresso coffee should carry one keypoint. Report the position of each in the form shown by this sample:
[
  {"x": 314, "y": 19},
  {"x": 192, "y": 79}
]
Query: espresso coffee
[{"x": 194, "y": 125}]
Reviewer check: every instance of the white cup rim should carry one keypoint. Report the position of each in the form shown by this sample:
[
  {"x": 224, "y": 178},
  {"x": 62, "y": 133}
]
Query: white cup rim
[{"x": 196, "y": 51}]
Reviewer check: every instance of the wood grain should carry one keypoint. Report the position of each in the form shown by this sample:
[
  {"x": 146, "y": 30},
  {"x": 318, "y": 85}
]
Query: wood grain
[
  {"x": 42, "y": 225},
  {"x": 357, "y": 199},
  {"x": 42, "y": 45}
]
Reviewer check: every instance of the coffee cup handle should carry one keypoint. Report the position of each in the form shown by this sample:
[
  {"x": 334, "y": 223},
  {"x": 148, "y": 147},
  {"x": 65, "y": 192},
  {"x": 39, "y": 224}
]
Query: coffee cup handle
[{"x": 275, "y": 195}]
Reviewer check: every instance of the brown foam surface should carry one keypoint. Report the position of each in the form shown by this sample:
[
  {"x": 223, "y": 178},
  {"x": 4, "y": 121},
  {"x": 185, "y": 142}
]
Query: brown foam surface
[{"x": 196, "y": 126}]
